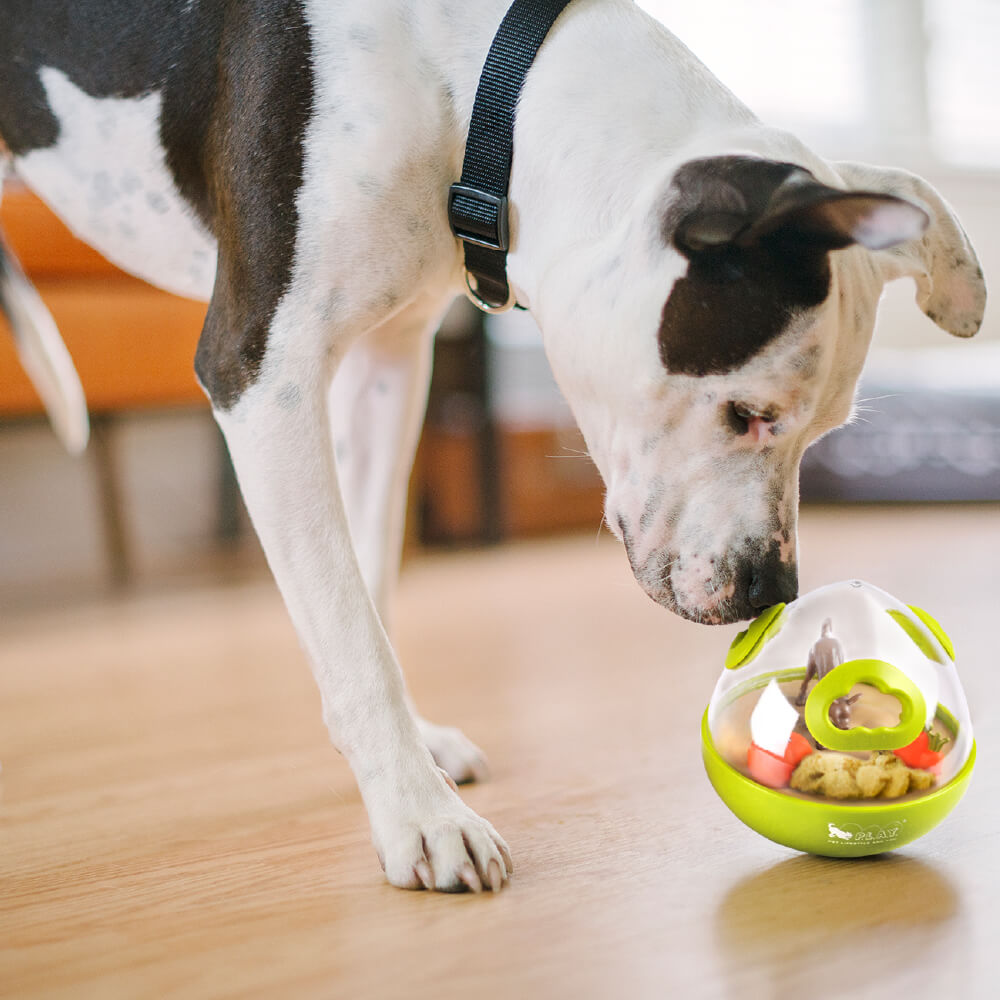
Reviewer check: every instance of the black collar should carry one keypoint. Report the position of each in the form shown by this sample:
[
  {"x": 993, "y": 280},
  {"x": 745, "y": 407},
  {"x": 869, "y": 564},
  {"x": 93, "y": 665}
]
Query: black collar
[{"x": 477, "y": 205}]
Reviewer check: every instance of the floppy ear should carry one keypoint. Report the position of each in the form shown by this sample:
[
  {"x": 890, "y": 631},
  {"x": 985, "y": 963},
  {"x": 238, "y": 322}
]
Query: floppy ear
[
  {"x": 763, "y": 201},
  {"x": 804, "y": 211},
  {"x": 758, "y": 234},
  {"x": 950, "y": 285}
]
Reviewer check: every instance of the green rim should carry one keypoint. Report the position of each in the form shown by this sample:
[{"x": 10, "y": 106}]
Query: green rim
[
  {"x": 939, "y": 633},
  {"x": 761, "y": 681},
  {"x": 916, "y": 634},
  {"x": 836, "y": 831},
  {"x": 889, "y": 680},
  {"x": 749, "y": 642}
]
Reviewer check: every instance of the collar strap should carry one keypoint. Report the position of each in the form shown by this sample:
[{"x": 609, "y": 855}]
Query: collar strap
[{"x": 477, "y": 205}]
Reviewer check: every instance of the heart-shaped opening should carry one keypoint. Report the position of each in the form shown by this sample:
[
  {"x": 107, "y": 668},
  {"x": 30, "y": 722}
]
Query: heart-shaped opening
[{"x": 840, "y": 683}]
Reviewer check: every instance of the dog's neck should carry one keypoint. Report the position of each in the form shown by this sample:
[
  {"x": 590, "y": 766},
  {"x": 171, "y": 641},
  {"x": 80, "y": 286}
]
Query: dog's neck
[
  {"x": 655, "y": 106},
  {"x": 562, "y": 171}
]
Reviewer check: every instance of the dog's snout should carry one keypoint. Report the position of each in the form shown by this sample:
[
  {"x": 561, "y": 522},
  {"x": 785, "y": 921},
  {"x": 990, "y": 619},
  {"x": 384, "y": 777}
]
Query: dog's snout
[{"x": 772, "y": 582}]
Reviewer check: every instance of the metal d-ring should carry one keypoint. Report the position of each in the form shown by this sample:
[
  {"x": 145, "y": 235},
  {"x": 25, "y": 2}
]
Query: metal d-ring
[{"x": 480, "y": 303}]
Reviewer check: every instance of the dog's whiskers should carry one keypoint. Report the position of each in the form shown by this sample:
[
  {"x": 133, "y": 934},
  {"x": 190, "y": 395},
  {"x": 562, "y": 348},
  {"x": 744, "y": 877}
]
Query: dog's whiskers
[{"x": 861, "y": 407}]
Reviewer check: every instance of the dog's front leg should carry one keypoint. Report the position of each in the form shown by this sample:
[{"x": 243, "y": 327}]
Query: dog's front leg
[
  {"x": 377, "y": 402},
  {"x": 280, "y": 439}
]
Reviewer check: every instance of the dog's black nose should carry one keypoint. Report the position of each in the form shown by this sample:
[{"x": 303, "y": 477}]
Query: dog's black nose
[{"x": 772, "y": 582}]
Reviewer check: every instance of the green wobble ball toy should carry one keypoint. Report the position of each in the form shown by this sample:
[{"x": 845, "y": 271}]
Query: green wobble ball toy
[{"x": 839, "y": 725}]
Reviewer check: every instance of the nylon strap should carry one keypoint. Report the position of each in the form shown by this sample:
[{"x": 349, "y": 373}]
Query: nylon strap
[{"x": 477, "y": 205}]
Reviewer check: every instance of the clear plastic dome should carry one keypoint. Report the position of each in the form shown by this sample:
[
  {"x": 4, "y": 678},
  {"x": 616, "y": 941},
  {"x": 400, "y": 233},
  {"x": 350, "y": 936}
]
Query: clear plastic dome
[{"x": 844, "y": 700}]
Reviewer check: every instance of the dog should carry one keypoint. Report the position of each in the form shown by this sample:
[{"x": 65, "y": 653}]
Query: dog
[{"x": 706, "y": 287}]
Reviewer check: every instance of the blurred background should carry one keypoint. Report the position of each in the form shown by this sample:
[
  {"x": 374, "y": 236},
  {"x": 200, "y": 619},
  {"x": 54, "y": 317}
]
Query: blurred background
[{"x": 913, "y": 83}]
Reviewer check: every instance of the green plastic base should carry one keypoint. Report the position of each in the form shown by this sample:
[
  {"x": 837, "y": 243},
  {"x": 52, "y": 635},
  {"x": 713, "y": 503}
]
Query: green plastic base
[{"x": 826, "y": 828}]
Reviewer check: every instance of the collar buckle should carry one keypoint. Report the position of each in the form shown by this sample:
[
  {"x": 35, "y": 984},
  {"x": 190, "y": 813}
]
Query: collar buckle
[{"x": 479, "y": 217}]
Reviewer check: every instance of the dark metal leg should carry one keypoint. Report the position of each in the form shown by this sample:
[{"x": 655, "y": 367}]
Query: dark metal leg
[
  {"x": 489, "y": 455},
  {"x": 110, "y": 494}
]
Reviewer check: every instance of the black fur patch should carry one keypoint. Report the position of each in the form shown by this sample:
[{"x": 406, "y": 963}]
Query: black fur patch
[
  {"x": 263, "y": 102},
  {"x": 108, "y": 48},
  {"x": 236, "y": 83},
  {"x": 735, "y": 299}
]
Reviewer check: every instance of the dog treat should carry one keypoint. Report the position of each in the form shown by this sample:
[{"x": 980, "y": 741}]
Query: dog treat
[{"x": 838, "y": 776}]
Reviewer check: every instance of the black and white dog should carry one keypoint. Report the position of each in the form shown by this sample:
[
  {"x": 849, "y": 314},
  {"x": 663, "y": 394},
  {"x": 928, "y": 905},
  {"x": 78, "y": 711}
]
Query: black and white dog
[{"x": 706, "y": 286}]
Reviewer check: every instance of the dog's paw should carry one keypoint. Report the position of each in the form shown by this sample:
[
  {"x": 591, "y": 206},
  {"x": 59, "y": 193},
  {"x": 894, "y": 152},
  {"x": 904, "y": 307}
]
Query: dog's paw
[
  {"x": 433, "y": 840},
  {"x": 454, "y": 752}
]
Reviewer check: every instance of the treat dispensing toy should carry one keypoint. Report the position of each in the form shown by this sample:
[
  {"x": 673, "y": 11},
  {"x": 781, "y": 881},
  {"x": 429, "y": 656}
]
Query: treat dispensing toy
[{"x": 839, "y": 725}]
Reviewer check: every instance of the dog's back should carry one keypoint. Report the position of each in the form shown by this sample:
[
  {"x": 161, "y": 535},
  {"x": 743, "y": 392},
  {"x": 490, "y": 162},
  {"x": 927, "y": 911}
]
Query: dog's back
[{"x": 116, "y": 145}]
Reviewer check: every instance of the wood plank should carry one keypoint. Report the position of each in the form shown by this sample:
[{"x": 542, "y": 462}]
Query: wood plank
[{"x": 175, "y": 824}]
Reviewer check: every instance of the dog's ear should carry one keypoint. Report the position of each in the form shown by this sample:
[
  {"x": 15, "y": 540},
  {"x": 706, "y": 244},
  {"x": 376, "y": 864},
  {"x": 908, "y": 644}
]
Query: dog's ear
[
  {"x": 950, "y": 285},
  {"x": 758, "y": 234},
  {"x": 797, "y": 211},
  {"x": 806, "y": 212}
]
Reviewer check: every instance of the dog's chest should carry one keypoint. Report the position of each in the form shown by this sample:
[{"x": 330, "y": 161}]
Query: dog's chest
[{"x": 106, "y": 176}]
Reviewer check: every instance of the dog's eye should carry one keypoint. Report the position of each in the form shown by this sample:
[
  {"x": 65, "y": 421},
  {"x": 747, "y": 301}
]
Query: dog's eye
[
  {"x": 739, "y": 416},
  {"x": 745, "y": 419}
]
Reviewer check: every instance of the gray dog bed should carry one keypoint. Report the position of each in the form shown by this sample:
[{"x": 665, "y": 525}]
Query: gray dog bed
[{"x": 928, "y": 428}]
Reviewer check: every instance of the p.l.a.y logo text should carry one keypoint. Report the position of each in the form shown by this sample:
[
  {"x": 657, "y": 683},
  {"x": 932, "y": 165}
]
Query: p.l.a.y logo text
[{"x": 854, "y": 833}]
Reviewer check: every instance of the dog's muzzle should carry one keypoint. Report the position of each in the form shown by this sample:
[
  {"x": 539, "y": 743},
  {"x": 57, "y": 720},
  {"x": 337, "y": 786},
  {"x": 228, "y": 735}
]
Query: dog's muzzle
[
  {"x": 719, "y": 590},
  {"x": 768, "y": 581}
]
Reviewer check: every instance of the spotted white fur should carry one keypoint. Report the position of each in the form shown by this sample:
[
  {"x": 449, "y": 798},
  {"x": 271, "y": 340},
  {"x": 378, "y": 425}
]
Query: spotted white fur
[
  {"x": 107, "y": 179},
  {"x": 375, "y": 266}
]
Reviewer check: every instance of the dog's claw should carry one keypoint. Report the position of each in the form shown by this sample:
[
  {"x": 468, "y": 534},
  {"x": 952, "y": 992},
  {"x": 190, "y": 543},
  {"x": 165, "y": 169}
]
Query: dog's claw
[
  {"x": 505, "y": 854},
  {"x": 424, "y": 873},
  {"x": 494, "y": 875},
  {"x": 468, "y": 875},
  {"x": 430, "y": 838}
]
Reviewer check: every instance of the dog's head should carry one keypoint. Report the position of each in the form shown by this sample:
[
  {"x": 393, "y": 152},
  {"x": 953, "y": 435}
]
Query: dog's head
[{"x": 716, "y": 333}]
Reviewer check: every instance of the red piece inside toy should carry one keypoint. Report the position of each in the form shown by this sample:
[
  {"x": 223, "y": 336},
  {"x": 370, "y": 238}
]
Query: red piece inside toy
[{"x": 774, "y": 771}]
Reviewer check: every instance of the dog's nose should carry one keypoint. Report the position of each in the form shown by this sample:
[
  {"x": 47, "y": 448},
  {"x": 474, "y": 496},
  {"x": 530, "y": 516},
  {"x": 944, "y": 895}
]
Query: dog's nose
[{"x": 772, "y": 582}]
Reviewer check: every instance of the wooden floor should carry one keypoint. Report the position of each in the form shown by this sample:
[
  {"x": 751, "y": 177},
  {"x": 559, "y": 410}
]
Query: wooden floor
[{"x": 173, "y": 822}]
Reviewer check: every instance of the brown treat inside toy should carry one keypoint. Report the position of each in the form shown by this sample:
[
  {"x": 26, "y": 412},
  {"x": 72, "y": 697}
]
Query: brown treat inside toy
[
  {"x": 840, "y": 783},
  {"x": 840, "y": 777},
  {"x": 871, "y": 781},
  {"x": 899, "y": 778},
  {"x": 897, "y": 782},
  {"x": 826, "y": 773}
]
